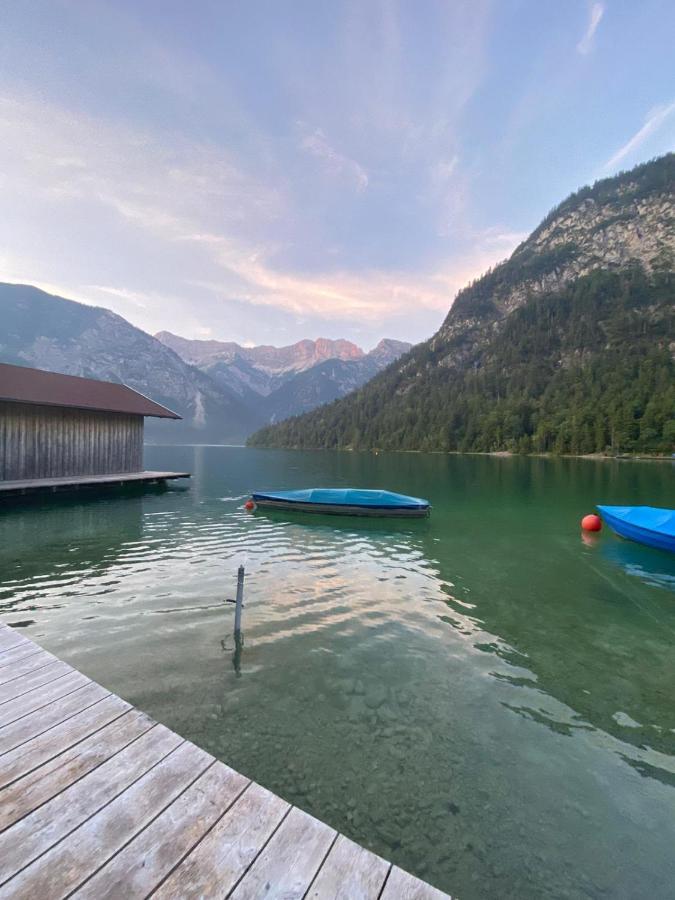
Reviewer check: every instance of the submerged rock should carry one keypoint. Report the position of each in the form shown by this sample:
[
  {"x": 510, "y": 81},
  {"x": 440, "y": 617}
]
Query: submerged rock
[{"x": 376, "y": 695}]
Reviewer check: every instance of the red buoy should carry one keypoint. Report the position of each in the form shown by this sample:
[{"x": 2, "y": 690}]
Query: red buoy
[
  {"x": 249, "y": 504},
  {"x": 591, "y": 523}
]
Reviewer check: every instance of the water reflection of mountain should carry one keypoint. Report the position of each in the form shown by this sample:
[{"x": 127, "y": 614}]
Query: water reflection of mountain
[{"x": 50, "y": 544}]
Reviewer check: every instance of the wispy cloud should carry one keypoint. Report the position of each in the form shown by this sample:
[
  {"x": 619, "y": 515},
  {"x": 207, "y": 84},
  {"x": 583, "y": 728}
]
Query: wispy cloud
[
  {"x": 367, "y": 296},
  {"x": 322, "y": 209},
  {"x": 655, "y": 119},
  {"x": 334, "y": 163},
  {"x": 196, "y": 200},
  {"x": 595, "y": 14}
]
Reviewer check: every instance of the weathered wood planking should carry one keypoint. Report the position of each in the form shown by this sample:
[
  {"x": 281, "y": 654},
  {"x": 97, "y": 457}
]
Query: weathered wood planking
[
  {"x": 219, "y": 861},
  {"x": 26, "y": 794},
  {"x": 21, "y": 661},
  {"x": 42, "y": 720},
  {"x": 52, "y": 441},
  {"x": 33, "y": 754},
  {"x": 31, "y": 680},
  {"x": 35, "y": 834},
  {"x": 20, "y": 706},
  {"x": 10, "y": 640},
  {"x": 10, "y": 650},
  {"x": 290, "y": 860},
  {"x": 64, "y": 866},
  {"x": 145, "y": 862},
  {"x": 349, "y": 872},
  {"x": 99, "y": 801},
  {"x": 23, "y": 648},
  {"x": 402, "y": 886}
]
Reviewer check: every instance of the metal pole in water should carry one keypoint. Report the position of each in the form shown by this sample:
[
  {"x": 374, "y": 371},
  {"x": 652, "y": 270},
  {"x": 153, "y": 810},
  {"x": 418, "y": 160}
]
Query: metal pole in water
[{"x": 239, "y": 601}]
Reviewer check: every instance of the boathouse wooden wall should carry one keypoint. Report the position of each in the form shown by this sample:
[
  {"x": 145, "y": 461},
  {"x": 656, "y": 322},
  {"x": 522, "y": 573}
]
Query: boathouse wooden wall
[{"x": 54, "y": 441}]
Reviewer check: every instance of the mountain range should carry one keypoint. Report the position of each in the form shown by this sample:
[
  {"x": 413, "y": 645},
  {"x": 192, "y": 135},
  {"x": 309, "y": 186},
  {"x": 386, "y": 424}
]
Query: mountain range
[
  {"x": 565, "y": 347},
  {"x": 284, "y": 381},
  {"x": 223, "y": 391}
]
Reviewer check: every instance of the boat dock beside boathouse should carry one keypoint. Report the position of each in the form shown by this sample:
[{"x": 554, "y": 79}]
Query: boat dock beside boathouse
[{"x": 63, "y": 433}]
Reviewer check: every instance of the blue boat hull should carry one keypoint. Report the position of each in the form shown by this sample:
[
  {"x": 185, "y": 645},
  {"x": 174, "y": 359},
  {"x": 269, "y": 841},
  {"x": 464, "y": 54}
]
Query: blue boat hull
[
  {"x": 645, "y": 524},
  {"x": 344, "y": 502}
]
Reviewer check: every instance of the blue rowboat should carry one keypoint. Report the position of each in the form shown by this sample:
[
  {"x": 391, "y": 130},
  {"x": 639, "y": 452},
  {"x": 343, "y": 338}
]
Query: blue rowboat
[
  {"x": 645, "y": 524},
  {"x": 344, "y": 501}
]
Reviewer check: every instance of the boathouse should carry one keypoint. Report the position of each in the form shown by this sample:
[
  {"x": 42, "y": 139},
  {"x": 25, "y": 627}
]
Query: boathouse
[{"x": 63, "y": 428}]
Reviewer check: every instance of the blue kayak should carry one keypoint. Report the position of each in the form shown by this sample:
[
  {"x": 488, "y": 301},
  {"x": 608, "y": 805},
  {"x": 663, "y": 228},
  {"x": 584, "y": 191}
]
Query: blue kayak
[
  {"x": 645, "y": 524},
  {"x": 344, "y": 501}
]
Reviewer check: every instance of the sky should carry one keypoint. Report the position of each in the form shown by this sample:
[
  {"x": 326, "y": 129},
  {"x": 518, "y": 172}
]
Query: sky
[{"x": 270, "y": 171}]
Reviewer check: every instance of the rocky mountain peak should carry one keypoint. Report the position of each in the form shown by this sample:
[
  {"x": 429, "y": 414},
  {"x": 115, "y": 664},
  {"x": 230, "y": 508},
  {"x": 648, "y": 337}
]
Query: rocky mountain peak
[
  {"x": 273, "y": 360},
  {"x": 284, "y": 381},
  {"x": 301, "y": 355},
  {"x": 388, "y": 350},
  {"x": 618, "y": 222}
]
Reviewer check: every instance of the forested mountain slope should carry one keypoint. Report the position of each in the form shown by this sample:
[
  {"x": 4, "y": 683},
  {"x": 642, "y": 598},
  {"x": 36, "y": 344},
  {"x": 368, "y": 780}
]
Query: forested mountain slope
[{"x": 565, "y": 347}]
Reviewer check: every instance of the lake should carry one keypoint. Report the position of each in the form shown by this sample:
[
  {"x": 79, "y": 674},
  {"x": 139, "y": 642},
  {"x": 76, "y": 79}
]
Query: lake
[{"x": 485, "y": 697}]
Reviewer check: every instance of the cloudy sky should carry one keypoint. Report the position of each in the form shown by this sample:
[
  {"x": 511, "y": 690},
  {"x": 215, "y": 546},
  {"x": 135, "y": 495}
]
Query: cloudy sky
[{"x": 265, "y": 171}]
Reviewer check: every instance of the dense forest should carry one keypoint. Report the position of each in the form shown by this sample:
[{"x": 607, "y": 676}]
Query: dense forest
[{"x": 585, "y": 369}]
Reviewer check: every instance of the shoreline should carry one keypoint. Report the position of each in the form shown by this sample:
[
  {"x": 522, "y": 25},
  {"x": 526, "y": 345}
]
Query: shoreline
[{"x": 604, "y": 457}]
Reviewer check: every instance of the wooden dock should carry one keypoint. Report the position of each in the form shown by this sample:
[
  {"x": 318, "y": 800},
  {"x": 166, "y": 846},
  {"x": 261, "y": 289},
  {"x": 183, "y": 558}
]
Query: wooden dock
[
  {"x": 98, "y": 800},
  {"x": 77, "y": 482}
]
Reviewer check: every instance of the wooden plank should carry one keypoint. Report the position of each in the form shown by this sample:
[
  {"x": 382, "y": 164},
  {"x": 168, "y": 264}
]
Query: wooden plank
[
  {"x": 24, "y": 648},
  {"x": 21, "y": 649},
  {"x": 288, "y": 864},
  {"x": 38, "y": 722},
  {"x": 69, "y": 863},
  {"x": 45, "y": 782},
  {"x": 24, "y": 664},
  {"x": 403, "y": 886},
  {"x": 25, "y": 683},
  {"x": 150, "y": 857},
  {"x": 9, "y": 639},
  {"x": 217, "y": 863},
  {"x": 349, "y": 872},
  {"x": 42, "y": 696},
  {"x": 6, "y": 630},
  {"x": 28, "y": 756},
  {"x": 36, "y": 833}
]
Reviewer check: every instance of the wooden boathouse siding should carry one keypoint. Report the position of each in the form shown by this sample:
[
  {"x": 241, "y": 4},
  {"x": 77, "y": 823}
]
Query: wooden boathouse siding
[{"x": 52, "y": 442}]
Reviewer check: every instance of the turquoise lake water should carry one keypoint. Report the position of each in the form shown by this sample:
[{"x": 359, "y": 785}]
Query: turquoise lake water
[{"x": 485, "y": 697}]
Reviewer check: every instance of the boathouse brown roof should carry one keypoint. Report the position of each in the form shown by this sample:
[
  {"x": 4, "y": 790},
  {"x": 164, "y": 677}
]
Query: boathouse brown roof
[{"x": 20, "y": 384}]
